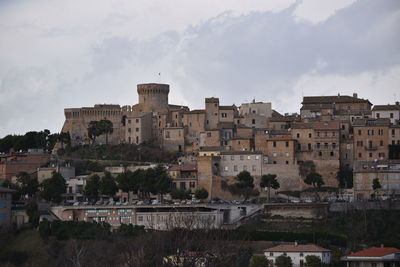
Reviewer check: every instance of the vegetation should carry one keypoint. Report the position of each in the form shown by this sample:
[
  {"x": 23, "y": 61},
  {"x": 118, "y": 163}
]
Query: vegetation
[
  {"x": 28, "y": 185},
  {"x": 201, "y": 193},
  {"x": 269, "y": 181},
  {"x": 314, "y": 179},
  {"x": 376, "y": 184},
  {"x": 43, "y": 139},
  {"x": 345, "y": 177},
  {"x": 92, "y": 187},
  {"x": 107, "y": 185},
  {"x": 54, "y": 188},
  {"x": 145, "y": 152},
  {"x": 283, "y": 261},
  {"x": 181, "y": 194},
  {"x": 313, "y": 261},
  {"x": 258, "y": 261},
  {"x": 243, "y": 187},
  {"x": 394, "y": 151},
  {"x": 97, "y": 128}
]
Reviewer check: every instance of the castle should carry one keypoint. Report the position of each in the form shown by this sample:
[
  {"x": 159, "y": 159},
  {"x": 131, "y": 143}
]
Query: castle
[{"x": 331, "y": 133}]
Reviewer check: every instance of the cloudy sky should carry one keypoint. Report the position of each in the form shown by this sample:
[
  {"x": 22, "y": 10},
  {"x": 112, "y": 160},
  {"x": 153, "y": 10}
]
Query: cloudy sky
[{"x": 66, "y": 53}]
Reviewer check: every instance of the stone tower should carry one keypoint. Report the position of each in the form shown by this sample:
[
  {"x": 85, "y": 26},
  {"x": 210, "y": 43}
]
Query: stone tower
[{"x": 153, "y": 97}]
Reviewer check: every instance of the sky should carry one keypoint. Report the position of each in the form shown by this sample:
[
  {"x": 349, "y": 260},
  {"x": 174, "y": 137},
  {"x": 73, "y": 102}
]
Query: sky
[{"x": 67, "y": 53}]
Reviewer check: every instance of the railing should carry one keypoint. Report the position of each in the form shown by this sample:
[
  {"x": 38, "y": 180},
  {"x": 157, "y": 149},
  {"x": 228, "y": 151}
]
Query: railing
[{"x": 371, "y": 148}]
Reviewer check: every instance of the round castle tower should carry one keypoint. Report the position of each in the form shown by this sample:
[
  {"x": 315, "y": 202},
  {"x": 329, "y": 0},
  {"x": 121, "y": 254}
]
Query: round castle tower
[{"x": 153, "y": 97}]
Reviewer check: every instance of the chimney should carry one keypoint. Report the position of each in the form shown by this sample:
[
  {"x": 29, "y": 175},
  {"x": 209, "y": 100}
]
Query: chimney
[{"x": 355, "y": 95}]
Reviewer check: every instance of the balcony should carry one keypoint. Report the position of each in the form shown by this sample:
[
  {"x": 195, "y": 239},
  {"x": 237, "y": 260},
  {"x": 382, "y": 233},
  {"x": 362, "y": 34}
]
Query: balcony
[{"x": 371, "y": 148}]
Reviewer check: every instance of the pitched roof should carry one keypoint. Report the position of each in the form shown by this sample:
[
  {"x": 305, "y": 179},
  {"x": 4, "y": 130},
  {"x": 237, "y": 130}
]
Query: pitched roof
[
  {"x": 374, "y": 252},
  {"x": 184, "y": 167},
  {"x": 386, "y": 107},
  {"x": 297, "y": 248},
  {"x": 333, "y": 99}
]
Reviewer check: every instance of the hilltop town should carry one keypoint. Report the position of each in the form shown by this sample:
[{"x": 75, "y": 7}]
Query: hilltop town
[{"x": 249, "y": 169}]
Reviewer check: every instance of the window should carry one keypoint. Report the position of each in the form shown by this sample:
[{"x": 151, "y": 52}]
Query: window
[
  {"x": 140, "y": 218},
  {"x": 359, "y": 132},
  {"x": 301, "y": 254},
  {"x": 257, "y": 157},
  {"x": 381, "y": 143},
  {"x": 309, "y": 135},
  {"x": 192, "y": 184},
  {"x": 378, "y": 115},
  {"x": 320, "y": 154},
  {"x": 284, "y": 253},
  {"x": 298, "y": 135},
  {"x": 235, "y": 168},
  {"x": 232, "y": 157},
  {"x": 298, "y": 147},
  {"x": 129, "y": 121},
  {"x": 359, "y": 155},
  {"x": 393, "y": 132},
  {"x": 332, "y": 154},
  {"x": 274, "y": 162},
  {"x": 253, "y": 121},
  {"x": 287, "y": 162},
  {"x": 274, "y": 154},
  {"x": 226, "y": 168},
  {"x": 381, "y": 155},
  {"x": 224, "y": 115},
  {"x": 271, "y": 254},
  {"x": 287, "y": 144},
  {"x": 248, "y": 157},
  {"x": 391, "y": 115},
  {"x": 274, "y": 144},
  {"x": 129, "y": 130},
  {"x": 208, "y": 134},
  {"x": 137, "y": 129},
  {"x": 318, "y": 145},
  {"x": 137, "y": 120},
  {"x": 241, "y": 157},
  {"x": 343, "y": 127},
  {"x": 253, "y": 168},
  {"x": 167, "y": 134},
  {"x": 309, "y": 147},
  {"x": 370, "y": 155},
  {"x": 333, "y": 145},
  {"x": 182, "y": 185},
  {"x": 287, "y": 154}
]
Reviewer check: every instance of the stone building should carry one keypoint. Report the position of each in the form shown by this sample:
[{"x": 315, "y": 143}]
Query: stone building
[
  {"x": 13, "y": 163},
  {"x": 371, "y": 139},
  {"x": 5, "y": 208},
  {"x": 184, "y": 176},
  {"x": 388, "y": 173},
  {"x": 391, "y": 112}
]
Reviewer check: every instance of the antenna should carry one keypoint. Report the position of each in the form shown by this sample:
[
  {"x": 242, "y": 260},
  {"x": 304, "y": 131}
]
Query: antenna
[{"x": 159, "y": 77}]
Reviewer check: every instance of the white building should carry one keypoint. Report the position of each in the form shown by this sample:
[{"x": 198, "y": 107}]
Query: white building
[
  {"x": 374, "y": 257},
  {"x": 387, "y": 111},
  {"x": 75, "y": 188},
  {"x": 298, "y": 253}
]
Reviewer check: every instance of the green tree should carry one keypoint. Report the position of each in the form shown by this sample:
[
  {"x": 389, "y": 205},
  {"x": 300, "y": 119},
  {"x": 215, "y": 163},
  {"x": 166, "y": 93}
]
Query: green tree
[
  {"x": 180, "y": 194},
  {"x": 163, "y": 181},
  {"x": 92, "y": 187},
  {"x": 376, "y": 184},
  {"x": 283, "y": 261},
  {"x": 201, "y": 193},
  {"x": 269, "y": 181},
  {"x": 54, "y": 188},
  {"x": 313, "y": 261},
  {"x": 33, "y": 213},
  {"x": 29, "y": 185},
  {"x": 259, "y": 261},
  {"x": 108, "y": 186},
  {"x": 64, "y": 138},
  {"x": 345, "y": 177},
  {"x": 314, "y": 179},
  {"x": 244, "y": 181},
  {"x": 94, "y": 130},
  {"x": 106, "y": 127}
]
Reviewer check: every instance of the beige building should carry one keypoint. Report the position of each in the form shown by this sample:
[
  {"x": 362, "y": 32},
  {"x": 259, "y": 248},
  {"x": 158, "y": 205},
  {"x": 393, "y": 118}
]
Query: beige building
[
  {"x": 234, "y": 162},
  {"x": 184, "y": 176},
  {"x": 371, "y": 139},
  {"x": 388, "y": 173}
]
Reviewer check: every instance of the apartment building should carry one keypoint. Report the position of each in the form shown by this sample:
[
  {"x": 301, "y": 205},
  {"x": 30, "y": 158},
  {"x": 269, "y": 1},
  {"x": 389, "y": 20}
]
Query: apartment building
[{"x": 371, "y": 139}]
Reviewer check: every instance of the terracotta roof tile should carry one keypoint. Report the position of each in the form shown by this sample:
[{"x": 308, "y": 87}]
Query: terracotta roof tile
[
  {"x": 374, "y": 252},
  {"x": 297, "y": 248}
]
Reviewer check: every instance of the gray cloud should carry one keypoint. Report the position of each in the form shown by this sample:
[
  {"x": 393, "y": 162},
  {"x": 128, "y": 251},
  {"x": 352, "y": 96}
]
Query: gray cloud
[{"x": 235, "y": 57}]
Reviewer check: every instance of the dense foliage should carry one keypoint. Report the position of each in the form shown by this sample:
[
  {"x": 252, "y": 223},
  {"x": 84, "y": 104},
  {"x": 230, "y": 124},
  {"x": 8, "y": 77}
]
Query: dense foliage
[
  {"x": 54, "y": 188},
  {"x": 43, "y": 139}
]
